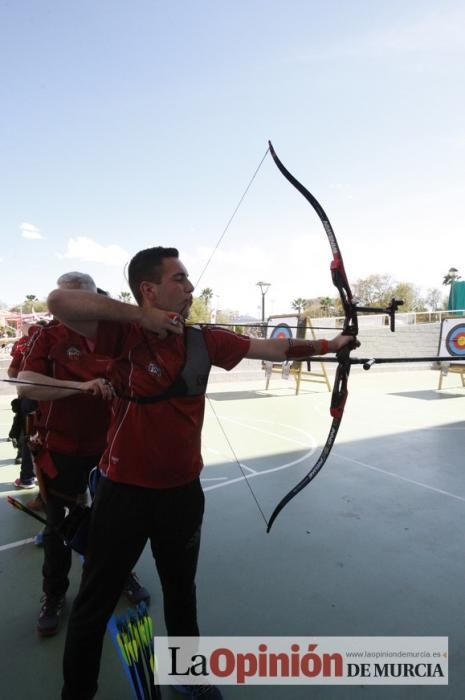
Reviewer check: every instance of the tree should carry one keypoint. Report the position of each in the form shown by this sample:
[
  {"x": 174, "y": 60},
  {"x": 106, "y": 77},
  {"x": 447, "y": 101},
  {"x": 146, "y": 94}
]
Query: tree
[
  {"x": 299, "y": 304},
  {"x": 374, "y": 290},
  {"x": 312, "y": 308},
  {"x": 199, "y": 312},
  {"x": 410, "y": 295},
  {"x": 326, "y": 304},
  {"x": 322, "y": 306},
  {"x": 29, "y": 303},
  {"x": 206, "y": 295},
  {"x": 126, "y": 297},
  {"x": 434, "y": 299},
  {"x": 378, "y": 290}
]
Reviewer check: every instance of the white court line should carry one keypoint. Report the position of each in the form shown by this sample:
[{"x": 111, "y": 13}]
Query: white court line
[
  {"x": 237, "y": 421},
  {"x": 19, "y": 543},
  {"x": 249, "y": 469},
  {"x": 401, "y": 478},
  {"x": 264, "y": 472},
  {"x": 225, "y": 481},
  {"x": 261, "y": 473}
]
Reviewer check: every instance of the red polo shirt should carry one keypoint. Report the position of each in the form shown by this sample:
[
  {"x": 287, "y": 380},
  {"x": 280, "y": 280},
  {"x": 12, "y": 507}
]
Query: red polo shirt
[
  {"x": 157, "y": 445},
  {"x": 17, "y": 352},
  {"x": 21, "y": 347},
  {"x": 76, "y": 424}
]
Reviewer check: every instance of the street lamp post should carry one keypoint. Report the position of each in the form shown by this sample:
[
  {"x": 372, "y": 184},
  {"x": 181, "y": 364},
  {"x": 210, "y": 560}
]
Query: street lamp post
[{"x": 264, "y": 287}]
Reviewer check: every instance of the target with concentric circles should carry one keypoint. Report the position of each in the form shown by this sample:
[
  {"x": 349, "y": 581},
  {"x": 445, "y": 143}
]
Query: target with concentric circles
[
  {"x": 455, "y": 341},
  {"x": 282, "y": 330}
]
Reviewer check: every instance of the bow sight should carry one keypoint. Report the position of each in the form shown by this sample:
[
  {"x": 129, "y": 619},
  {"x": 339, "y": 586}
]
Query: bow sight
[{"x": 388, "y": 310}]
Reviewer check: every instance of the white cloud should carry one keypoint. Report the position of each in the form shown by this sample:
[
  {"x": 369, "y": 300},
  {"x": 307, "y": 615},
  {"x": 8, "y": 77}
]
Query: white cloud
[
  {"x": 30, "y": 232},
  {"x": 88, "y": 250}
]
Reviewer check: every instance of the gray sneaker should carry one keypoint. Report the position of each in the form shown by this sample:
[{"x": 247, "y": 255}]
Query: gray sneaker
[{"x": 50, "y": 614}]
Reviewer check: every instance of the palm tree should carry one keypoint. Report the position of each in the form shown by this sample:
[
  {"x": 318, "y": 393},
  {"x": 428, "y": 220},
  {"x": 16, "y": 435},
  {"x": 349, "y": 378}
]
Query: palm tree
[
  {"x": 326, "y": 304},
  {"x": 29, "y": 303},
  {"x": 206, "y": 295},
  {"x": 299, "y": 304}
]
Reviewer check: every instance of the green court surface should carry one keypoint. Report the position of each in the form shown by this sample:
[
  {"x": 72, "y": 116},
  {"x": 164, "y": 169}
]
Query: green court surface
[{"x": 374, "y": 546}]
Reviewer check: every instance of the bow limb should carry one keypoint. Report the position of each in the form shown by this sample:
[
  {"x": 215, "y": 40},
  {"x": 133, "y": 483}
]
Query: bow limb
[
  {"x": 311, "y": 474},
  {"x": 339, "y": 394},
  {"x": 338, "y": 273}
]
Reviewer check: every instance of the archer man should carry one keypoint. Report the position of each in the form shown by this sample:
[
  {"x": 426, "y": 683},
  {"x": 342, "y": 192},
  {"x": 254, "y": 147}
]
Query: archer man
[{"x": 150, "y": 487}]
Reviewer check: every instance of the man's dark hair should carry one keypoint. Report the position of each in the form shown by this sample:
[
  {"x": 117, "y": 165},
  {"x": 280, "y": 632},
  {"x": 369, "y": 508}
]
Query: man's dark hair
[{"x": 146, "y": 267}]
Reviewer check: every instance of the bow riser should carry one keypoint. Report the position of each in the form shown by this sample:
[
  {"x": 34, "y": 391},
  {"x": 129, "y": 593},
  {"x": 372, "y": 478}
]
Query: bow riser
[{"x": 340, "y": 392}]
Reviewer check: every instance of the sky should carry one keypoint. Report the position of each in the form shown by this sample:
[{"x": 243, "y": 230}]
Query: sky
[{"x": 125, "y": 125}]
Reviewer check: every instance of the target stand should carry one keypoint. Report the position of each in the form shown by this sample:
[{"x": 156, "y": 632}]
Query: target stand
[
  {"x": 291, "y": 327},
  {"x": 452, "y": 342},
  {"x": 457, "y": 369}
]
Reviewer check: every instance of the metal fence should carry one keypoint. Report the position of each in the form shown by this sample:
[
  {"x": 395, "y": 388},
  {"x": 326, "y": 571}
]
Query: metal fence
[{"x": 410, "y": 318}]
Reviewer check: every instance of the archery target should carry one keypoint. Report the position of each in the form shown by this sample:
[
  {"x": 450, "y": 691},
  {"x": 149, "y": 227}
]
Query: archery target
[
  {"x": 452, "y": 341},
  {"x": 281, "y": 331},
  {"x": 282, "y": 326},
  {"x": 455, "y": 341}
]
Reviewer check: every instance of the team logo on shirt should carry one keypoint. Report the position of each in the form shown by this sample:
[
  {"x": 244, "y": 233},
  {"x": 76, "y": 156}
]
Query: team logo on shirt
[
  {"x": 154, "y": 369},
  {"x": 73, "y": 352}
]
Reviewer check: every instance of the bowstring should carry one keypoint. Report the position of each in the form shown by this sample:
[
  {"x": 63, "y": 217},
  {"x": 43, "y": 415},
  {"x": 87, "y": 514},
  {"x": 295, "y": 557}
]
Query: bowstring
[
  {"x": 225, "y": 230},
  {"x": 231, "y": 218},
  {"x": 246, "y": 479}
]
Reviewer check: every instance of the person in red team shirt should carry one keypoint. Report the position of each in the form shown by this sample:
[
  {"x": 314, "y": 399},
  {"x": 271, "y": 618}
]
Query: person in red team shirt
[
  {"x": 25, "y": 409},
  {"x": 72, "y": 431},
  {"x": 26, "y": 478},
  {"x": 150, "y": 488}
]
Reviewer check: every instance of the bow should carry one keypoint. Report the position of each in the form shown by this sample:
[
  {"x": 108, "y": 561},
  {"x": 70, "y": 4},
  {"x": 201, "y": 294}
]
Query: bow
[{"x": 350, "y": 327}]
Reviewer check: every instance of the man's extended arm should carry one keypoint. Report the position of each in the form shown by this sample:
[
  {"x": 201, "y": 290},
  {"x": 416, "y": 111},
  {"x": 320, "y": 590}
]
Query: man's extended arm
[
  {"x": 282, "y": 349},
  {"x": 82, "y": 311}
]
